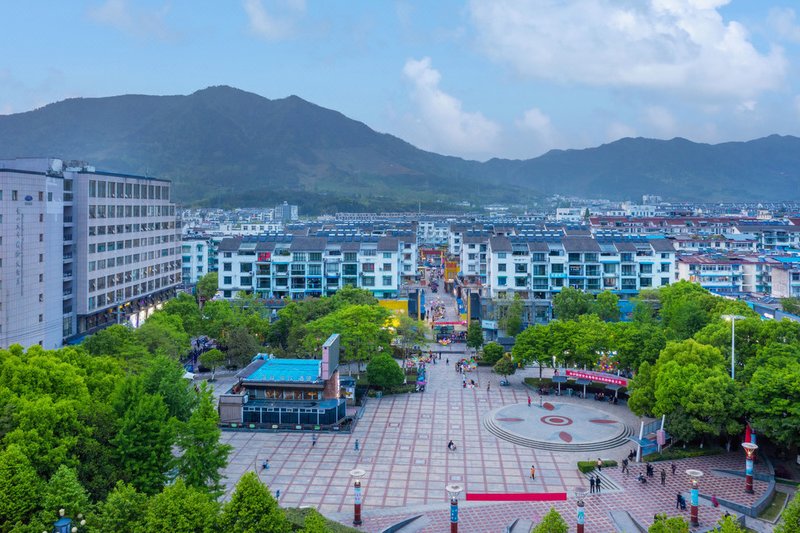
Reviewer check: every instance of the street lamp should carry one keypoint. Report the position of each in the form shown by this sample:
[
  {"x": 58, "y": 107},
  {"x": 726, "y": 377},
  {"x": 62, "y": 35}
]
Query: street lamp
[
  {"x": 733, "y": 319},
  {"x": 750, "y": 455},
  {"x": 694, "y": 502},
  {"x": 580, "y": 493},
  {"x": 357, "y": 474},
  {"x": 453, "y": 491}
]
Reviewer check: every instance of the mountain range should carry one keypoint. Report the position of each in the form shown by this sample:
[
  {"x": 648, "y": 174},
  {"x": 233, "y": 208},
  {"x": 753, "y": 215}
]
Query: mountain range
[{"x": 222, "y": 146}]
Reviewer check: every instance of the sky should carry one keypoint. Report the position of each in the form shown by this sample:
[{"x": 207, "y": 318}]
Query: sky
[{"x": 476, "y": 79}]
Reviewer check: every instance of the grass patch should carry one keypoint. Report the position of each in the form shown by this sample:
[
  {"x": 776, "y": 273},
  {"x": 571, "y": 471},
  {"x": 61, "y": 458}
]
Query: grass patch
[
  {"x": 588, "y": 466},
  {"x": 785, "y": 481},
  {"x": 673, "y": 454},
  {"x": 536, "y": 382},
  {"x": 773, "y": 510},
  {"x": 297, "y": 516}
]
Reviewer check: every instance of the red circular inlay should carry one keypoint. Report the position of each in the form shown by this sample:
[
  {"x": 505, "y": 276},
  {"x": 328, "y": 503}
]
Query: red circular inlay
[{"x": 556, "y": 420}]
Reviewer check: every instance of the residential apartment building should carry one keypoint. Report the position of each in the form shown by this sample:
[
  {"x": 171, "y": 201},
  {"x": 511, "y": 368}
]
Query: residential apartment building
[
  {"x": 196, "y": 257},
  {"x": 536, "y": 267},
  {"x": 777, "y": 237},
  {"x": 300, "y": 266},
  {"x": 85, "y": 249},
  {"x": 721, "y": 274}
]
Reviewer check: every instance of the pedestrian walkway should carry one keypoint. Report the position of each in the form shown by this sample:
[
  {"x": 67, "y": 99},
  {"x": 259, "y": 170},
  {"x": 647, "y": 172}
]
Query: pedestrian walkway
[{"x": 403, "y": 449}]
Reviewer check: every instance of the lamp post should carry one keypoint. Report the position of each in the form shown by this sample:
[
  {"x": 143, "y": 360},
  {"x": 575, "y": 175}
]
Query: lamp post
[
  {"x": 64, "y": 524},
  {"x": 750, "y": 455},
  {"x": 580, "y": 493},
  {"x": 357, "y": 474},
  {"x": 733, "y": 319},
  {"x": 453, "y": 491},
  {"x": 694, "y": 501}
]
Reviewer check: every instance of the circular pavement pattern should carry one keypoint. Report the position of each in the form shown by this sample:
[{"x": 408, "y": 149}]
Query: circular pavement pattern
[{"x": 557, "y": 426}]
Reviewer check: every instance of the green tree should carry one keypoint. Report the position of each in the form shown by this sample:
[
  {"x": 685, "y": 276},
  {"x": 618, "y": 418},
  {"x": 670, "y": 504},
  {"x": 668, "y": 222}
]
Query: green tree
[
  {"x": 384, "y": 372},
  {"x": 185, "y": 307},
  {"x": 207, "y": 287},
  {"x": 790, "y": 517},
  {"x": 164, "y": 333},
  {"x": 143, "y": 443},
  {"x": 533, "y": 345},
  {"x": 182, "y": 509},
  {"x": 164, "y": 376},
  {"x": 606, "y": 306},
  {"x": 212, "y": 359},
  {"x": 552, "y": 522},
  {"x": 727, "y": 524},
  {"x": 636, "y": 342},
  {"x": 474, "y": 335},
  {"x": 571, "y": 303},
  {"x": 20, "y": 489},
  {"x": 505, "y": 366},
  {"x": 685, "y": 308},
  {"x": 772, "y": 400},
  {"x": 241, "y": 346},
  {"x": 410, "y": 332},
  {"x": 492, "y": 353},
  {"x": 64, "y": 491},
  {"x": 673, "y": 524},
  {"x": 511, "y": 321},
  {"x": 119, "y": 342},
  {"x": 123, "y": 510},
  {"x": 791, "y": 305},
  {"x": 362, "y": 329},
  {"x": 252, "y": 509},
  {"x": 315, "y": 522},
  {"x": 202, "y": 456}
]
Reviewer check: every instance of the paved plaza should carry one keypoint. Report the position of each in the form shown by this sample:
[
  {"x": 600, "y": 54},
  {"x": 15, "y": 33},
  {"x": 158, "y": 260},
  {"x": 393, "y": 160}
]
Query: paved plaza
[{"x": 403, "y": 449}]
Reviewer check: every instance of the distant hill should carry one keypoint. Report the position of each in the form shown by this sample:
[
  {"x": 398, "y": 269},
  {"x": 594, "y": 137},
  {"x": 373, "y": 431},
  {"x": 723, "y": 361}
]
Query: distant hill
[{"x": 224, "y": 146}]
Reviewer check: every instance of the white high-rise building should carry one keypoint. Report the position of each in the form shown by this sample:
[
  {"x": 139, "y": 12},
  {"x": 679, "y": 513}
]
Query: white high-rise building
[{"x": 81, "y": 249}]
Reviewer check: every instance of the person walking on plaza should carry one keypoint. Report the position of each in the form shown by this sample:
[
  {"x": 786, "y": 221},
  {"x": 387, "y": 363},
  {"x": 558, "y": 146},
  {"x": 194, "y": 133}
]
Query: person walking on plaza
[
  {"x": 597, "y": 484},
  {"x": 599, "y": 465},
  {"x": 265, "y": 465},
  {"x": 663, "y": 477},
  {"x": 529, "y": 400},
  {"x": 356, "y": 445},
  {"x": 672, "y": 465},
  {"x": 533, "y": 472},
  {"x": 624, "y": 466},
  {"x": 313, "y": 440},
  {"x": 678, "y": 499},
  {"x": 488, "y": 387},
  {"x": 591, "y": 484}
]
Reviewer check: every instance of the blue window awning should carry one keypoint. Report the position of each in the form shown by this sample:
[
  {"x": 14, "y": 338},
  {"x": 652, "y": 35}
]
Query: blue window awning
[{"x": 559, "y": 379}]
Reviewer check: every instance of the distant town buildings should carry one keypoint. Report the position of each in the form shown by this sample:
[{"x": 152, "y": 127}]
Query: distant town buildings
[{"x": 81, "y": 249}]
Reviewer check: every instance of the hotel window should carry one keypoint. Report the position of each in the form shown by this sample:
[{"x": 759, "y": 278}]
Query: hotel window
[
  {"x": 14, "y": 195},
  {"x": 41, "y": 196},
  {"x": 387, "y": 280}
]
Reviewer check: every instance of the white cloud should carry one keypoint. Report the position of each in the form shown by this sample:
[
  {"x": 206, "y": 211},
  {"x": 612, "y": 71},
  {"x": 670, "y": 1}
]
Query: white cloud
[
  {"x": 278, "y": 22},
  {"x": 139, "y": 23},
  {"x": 618, "y": 130},
  {"x": 677, "y": 45},
  {"x": 783, "y": 22},
  {"x": 747, "y": 106},
  {"x": 536, "y": 121},
  {"x": 442, "y": 123},
  {"x": 661, "y": 119}
]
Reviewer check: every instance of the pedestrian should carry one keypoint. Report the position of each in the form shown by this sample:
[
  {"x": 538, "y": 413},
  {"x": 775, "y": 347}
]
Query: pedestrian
[
  {"x": 714, "y": 500},
  {"x": 591, "y": 484},
  {"x": 672, "y": 465},
  {"x": 597, "y": 484},
  {"x": 278, "y": 494},
  {"x": 265, "y": 465},
  {"x": 663, "y": 477},
  {"x": 313, "y": 440},
  {"x": 599, "y": 465},
  {"x": 529, "y": 400},
  {"x": 447, "y": 360},
  {"x": 678, "y": 499},
  {"x": 356, "y": 445},
  {"x": 624, "y": 466},
  {"x": 533, "y": 472},
  {"x": 488, "y": 387}
]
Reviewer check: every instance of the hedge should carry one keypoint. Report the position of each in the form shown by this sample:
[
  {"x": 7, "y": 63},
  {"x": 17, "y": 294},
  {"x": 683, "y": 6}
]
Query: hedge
[
  {"x": 673, "y": 454},
  {"x": 588, "y": 466}
]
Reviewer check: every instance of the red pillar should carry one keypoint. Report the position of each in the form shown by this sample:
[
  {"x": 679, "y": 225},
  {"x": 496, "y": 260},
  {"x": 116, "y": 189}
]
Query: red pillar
[{"x": 357, "y": 504}]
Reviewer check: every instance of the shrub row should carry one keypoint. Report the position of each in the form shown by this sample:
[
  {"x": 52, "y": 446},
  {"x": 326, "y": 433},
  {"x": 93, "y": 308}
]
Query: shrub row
[{"x": 587, "y": 466}]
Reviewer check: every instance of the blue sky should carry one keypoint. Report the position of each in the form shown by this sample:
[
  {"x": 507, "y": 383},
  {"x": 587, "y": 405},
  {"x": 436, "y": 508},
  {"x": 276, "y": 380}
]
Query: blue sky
[{"x": 477, "y": 79}]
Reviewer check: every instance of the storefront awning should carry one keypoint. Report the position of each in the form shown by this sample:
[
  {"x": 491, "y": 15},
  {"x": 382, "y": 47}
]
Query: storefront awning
[
  {"x": 583, "y": 382},
  {"x": 613, "y": 387},
  {"x": 559, "y": 379}
]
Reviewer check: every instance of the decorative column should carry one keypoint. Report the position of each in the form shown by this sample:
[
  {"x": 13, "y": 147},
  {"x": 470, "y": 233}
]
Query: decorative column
[
  {"x": 357, "y": 474},
  {"x": 580, "y": 493},
  {"x": 750, "y": 456},
  {"x": 694, "y": 475},
  {"x": 454, "y": 491}
]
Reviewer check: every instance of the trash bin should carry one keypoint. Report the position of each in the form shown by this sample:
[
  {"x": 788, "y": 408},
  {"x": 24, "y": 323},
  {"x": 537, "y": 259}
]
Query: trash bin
[{"x": 379, "y": 394}]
